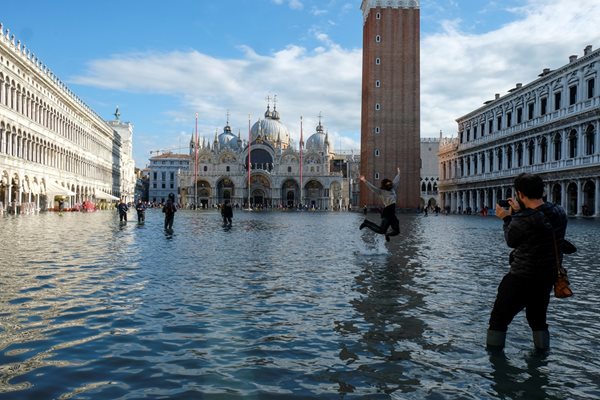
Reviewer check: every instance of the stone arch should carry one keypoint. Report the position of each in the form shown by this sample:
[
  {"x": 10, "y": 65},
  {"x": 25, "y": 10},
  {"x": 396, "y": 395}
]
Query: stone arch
[
  {"x": 571, "y": 198},
  {"x": 290, "y": 193},
  {"x": 589, "y": 201}
]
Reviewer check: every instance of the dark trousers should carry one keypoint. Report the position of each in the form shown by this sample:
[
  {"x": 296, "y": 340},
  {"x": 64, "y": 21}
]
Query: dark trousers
[
  {"x": 123, "y": 216},
  {"x": 141, "y": 216},
  {"x": 388, "y": 218},
  {"x": 169, "y": 221},
  {"x": 517, "y": 293}
]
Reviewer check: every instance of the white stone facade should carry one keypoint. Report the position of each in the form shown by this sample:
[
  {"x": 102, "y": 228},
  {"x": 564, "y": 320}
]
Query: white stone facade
[
  {"x": 547, "y": 127},
  {"x": 52, "y": 145},
  {"x": 429, "y": 171},
  {"x": 328, "y": 180}
]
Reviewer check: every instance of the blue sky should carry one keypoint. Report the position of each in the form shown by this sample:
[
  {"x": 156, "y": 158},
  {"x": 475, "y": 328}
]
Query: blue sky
[{"x": 163, "y": 62}]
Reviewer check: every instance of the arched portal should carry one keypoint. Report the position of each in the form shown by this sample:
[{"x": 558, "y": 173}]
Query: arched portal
[
  {"x": 556, "y": 194},
  {"x": 314, "y": 194},
  {"x": 589, "y": 203},
  {"x": 225, "y": 190},
  {"x": 572, "y": 199},
  {"x": 260, "y": 190},
  {"x": 204, "y": 192},
  {"x": 290, "y": 192}
]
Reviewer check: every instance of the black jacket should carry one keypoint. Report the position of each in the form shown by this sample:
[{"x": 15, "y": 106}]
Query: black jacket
[{"x": 529, "y": 233}]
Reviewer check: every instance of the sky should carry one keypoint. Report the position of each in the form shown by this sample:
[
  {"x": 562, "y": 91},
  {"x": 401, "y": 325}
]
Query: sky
[{"x": 163, "y": 62}]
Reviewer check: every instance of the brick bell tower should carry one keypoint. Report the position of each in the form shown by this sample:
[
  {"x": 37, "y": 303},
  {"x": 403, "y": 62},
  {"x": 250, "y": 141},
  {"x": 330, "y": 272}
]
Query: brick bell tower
[{"x": 390, "y": 115}]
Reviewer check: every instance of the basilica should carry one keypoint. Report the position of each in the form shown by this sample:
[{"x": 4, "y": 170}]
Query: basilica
[{"x": 265, "y": 169}]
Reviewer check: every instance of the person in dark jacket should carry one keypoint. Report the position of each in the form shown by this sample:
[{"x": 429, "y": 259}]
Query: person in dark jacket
[
  {"x": 141, "y": 211},
  {"x": 387, "y": 194},
  {"x": 531, "y": 227},
  {"x": 227, "y": 213},
  {"x": 169, "y": 210},
  {"x": 122, "y": 207}
]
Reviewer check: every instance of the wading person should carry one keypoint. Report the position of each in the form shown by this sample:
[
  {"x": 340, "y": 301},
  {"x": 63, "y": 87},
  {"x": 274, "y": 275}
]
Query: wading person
[
  {"x": 122, "y": 207},
  {"x": 141, "y": 211},
  {"x": 387, "y": 195},
  {"x": 531, "y": 227},
  {"x": 227, "y": 213},
  {"x": 169, "y": 210}
]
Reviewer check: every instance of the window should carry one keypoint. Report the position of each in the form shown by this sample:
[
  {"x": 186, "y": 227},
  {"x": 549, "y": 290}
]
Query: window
[
  {"x": 378, "y": 16},
  {"x": 377, "y": 83},
  {"x": 377, "y": 130},
  {"x": 482, "y": 129},
  {"x": 590, "y": 141},
  {"x": 172, "y": 176},
  {"x": 378, "y": 39},
  {"x": 155, "y": 175},
  {"x": 163, "y": 176},
  {"x": 543, "y": 105},
  {"x": 572, "y": 95},
  {"x": 163, "y": 185},
  {"x": 289, "y": 169},
  {"x": 520, "y": 155},
  {"x": 490, "y": 126},
  {"x": 509, "y": 157},
  {"x": 573, "y": 144},
  {"x": 205, "y": 168},
  {"x": 377, "y": 61},
  {"x": 519, "y": 115},
  {"x": 474, "y": 132},
  {"x": 376, "y": 175},
  {"x": 376, "y": 152},
  {"x": 377, "y": 106},
  {"x": 531, "y": 150},
  {"x": 557, "y": 147},
  {"x": 557, "y": 99},
  {"x": 171, "y": 185},
  {"x": 508, "y": 119},
  {"x": 499, "y": 123},
  {"x": 544, "y": 150},
  {"x": 468, "y": 134},
  {"x": 530, "y": 110},
  {"x": 227, "y": 168},
  {"x": 154, "y": 185},
  {"x": 590, "y": 88}
]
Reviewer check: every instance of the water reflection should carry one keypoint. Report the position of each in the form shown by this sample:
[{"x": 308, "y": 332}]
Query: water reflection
[{"x": 282, "y": 305}]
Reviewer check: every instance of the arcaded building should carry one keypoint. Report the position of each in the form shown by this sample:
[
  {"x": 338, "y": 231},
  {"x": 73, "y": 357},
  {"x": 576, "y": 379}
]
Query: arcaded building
[
  {"x": 547, "y": 127},
  {"x": 52, "y": 145},
  {"x": 390, "y": 115}
]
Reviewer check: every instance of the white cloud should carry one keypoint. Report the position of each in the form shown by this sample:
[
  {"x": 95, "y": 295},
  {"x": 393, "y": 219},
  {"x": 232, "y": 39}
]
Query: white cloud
[{"x": 460, "y": 71}]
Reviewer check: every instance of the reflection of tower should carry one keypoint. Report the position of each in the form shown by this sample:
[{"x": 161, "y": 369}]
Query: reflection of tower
[{"x": 390, "y": 126}]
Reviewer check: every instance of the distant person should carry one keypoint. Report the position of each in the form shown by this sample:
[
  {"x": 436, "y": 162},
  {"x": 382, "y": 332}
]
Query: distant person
[
  {"x": 122, "y": 208},
  {"x": 227, "y": 213},
  {"x": 365, "y": 209},
  {"x": 387, "y": 194},
  {"x": 141, "y": 211},
  {"x": 61, "y": 205},
  {"x": 531, "y": 228},
  {"x": 169, "y": 210}
]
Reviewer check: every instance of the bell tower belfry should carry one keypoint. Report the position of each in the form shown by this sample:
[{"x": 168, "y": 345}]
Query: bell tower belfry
[{"x": 390, "y": 114}]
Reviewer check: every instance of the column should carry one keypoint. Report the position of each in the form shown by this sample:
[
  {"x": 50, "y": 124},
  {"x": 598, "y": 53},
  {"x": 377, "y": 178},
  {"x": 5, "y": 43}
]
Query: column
[
  {"x": 597, "y": 198},
  {"x": 563, "y": 195},
  {"x": 579, "y": 198}
]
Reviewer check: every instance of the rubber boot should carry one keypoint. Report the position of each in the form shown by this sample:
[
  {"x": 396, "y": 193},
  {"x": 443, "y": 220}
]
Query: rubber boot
[
  {"x": 541, "y": 340},
  {"x": 495, "y": 339}
]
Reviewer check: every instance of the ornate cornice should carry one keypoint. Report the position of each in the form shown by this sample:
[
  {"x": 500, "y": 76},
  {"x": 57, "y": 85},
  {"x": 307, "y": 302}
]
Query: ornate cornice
[{"x": 367, "y": 5}]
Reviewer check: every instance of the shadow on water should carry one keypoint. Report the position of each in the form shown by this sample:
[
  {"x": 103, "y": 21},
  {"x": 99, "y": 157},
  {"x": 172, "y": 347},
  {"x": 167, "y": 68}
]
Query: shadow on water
[{"x": 278, "y": 306}]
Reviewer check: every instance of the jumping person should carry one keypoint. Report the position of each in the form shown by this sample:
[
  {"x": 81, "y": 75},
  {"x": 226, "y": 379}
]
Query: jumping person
[{"x": 387, "y": 194}]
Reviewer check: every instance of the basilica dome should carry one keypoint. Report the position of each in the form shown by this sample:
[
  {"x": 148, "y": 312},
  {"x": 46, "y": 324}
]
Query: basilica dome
[
  {"x": 271, "y": 129},
  {"x": 318, "y": 141},
  {"x": 227, "y": 140}
]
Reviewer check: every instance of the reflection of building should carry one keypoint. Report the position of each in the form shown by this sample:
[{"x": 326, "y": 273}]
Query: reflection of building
[
  {"x": 390, "y": 117},
  {"x": 549, "y": 127},
  {"x": 275, "y": 176},
  {"x": 52, "y": 145}
]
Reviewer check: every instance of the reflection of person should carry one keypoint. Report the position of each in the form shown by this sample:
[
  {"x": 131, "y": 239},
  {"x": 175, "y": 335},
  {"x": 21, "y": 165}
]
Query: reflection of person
[
  {"x": 122, "y": 207},
  {"x": 387, "y": 194},
  {"x": 141, "y": 211},
  {"x": 169, "y": 210},
  {"x": 227, "y": 213},
  {"x": 530, "y": 229}
]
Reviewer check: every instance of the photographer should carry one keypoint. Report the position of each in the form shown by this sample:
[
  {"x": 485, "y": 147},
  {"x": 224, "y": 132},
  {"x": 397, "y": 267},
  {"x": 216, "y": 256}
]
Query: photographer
[{"x": 529, "y": 224}]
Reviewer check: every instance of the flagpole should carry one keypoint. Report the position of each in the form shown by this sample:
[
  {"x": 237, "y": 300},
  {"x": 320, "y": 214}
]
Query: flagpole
[
  {"x": 249, "y": 160},
  {"x": 301, "y": 183},
  {"x": 196, "y": 167}
]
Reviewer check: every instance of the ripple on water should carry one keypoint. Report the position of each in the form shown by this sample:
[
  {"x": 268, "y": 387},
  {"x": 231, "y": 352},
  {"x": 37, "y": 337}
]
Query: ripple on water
[{"x": 282, "y": 305}]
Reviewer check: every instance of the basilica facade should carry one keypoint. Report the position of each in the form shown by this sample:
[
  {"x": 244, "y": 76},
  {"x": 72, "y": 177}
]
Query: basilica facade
[{"x": 264, "y": 169}]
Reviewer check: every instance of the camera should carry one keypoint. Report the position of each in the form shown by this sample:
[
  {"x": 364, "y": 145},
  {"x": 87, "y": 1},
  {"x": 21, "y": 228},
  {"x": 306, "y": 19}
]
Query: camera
[{"x": 503, "y": 203}]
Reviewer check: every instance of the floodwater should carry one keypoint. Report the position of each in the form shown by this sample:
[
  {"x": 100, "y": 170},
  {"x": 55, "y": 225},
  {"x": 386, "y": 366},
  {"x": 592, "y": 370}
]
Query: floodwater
[{"x": 284, "y": 305}]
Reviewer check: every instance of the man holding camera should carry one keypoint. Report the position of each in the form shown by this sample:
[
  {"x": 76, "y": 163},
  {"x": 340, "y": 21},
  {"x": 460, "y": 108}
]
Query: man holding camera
[{"x": 531, "y": 228}]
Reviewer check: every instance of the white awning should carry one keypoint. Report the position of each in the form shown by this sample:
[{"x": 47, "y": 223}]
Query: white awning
[
  {"x": 55, "y": 188},
  {"x": 104, "y": 196}
]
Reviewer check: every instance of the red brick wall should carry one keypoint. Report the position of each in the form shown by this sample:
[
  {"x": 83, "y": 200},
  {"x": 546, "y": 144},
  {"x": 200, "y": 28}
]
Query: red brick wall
[{"x": 399, "y": 117}]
